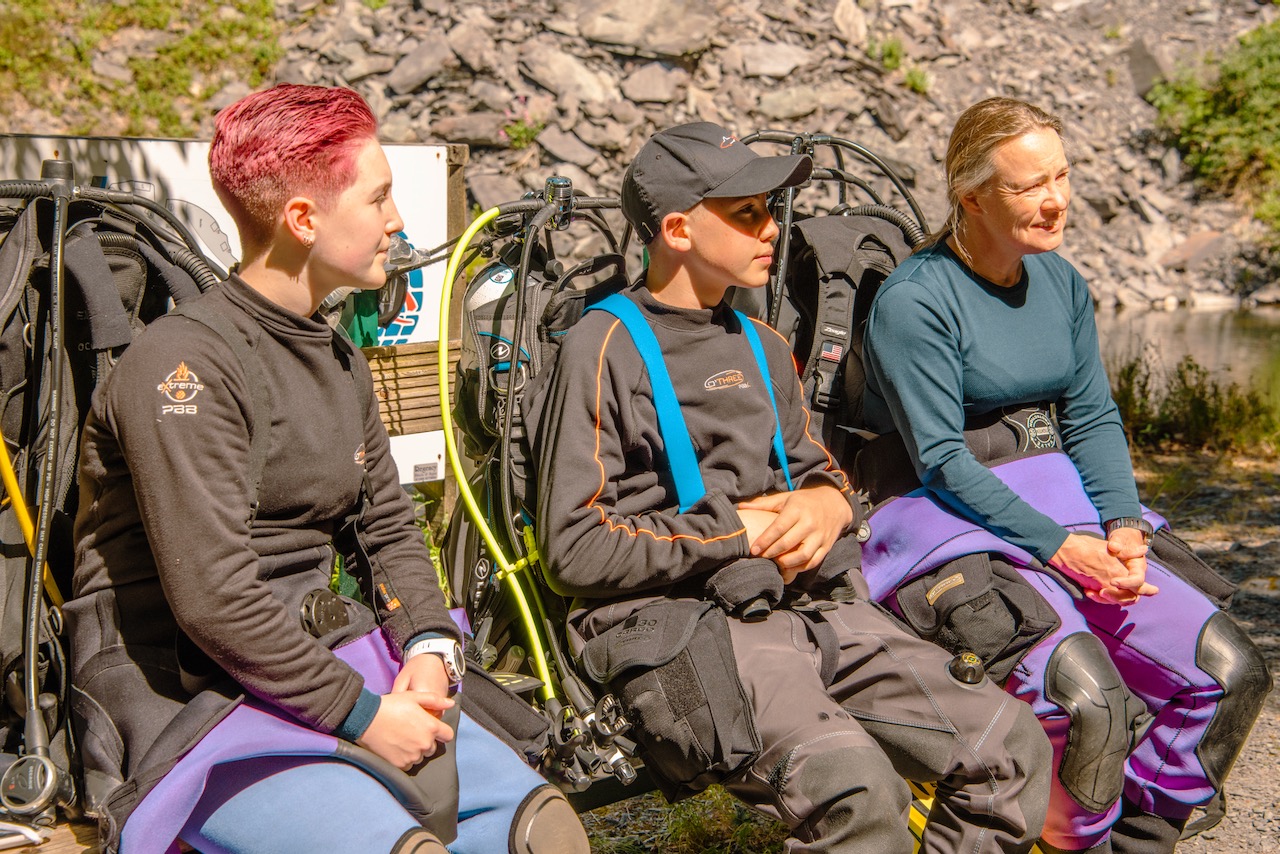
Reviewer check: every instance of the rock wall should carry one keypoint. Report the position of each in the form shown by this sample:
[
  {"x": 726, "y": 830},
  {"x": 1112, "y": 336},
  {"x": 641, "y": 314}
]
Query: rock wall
[{"x": 572, "y": 87}]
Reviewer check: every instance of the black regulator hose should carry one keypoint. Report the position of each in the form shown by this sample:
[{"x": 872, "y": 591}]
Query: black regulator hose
[
  {"x": 910, "y": 229},
  {"x": 118, "y": 197},
  {"x": 25, "y": 189}
]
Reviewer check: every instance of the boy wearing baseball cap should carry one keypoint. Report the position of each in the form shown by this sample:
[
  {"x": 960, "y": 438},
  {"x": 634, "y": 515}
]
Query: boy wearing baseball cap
[{"x": 710, "y": 543}]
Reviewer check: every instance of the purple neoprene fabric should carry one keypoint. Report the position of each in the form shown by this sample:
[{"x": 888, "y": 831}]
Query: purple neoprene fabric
[
  {"x": 251, "y": 729},
  {"x": 914, "y": 534},
  {"x": 1153, "y": 642}
]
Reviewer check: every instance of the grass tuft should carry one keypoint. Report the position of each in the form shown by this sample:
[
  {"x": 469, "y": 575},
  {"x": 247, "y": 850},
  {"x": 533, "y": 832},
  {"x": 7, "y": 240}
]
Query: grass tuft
[{"x": 890, "y": 53}]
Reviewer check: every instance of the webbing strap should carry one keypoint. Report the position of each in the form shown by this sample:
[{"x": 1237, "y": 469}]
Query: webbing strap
[
  {"x": 675, "y": 435},
  {"x": 824, "y": 634},
  {"x": 779, "y": 446},
  {"x": 86, "y": 265}
]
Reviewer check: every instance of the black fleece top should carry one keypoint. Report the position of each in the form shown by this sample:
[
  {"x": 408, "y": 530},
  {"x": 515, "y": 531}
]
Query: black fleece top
[
  {"x": 608, "y": 524},
  {"x": 165, "y": 500}
]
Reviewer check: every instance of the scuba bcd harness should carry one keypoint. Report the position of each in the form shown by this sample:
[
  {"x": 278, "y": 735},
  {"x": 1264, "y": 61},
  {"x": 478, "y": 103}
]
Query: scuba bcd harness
[
  {"x": 681, "y": 458},
  {"x": 112, "y": 261}
]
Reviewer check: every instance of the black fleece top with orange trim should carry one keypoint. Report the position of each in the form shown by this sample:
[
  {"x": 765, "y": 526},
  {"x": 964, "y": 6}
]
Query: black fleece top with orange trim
[{"x": 608, "y": 520}]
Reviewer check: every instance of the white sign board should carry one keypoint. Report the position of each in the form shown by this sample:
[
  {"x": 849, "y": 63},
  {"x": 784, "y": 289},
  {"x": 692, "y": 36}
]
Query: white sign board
[{"x": 175, "y": 173}]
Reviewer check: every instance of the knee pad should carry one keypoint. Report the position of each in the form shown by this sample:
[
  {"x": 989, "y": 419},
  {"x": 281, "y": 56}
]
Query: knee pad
[
  {"x": 1226, "y": 653},
  {"x": 1082, "y": 679},
  {"x": 419, "y": 841},
  {"x": 545, "y": 823}
]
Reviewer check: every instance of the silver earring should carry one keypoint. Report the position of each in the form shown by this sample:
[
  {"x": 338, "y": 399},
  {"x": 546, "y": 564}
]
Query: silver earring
[{"x": 308, "y": 240}]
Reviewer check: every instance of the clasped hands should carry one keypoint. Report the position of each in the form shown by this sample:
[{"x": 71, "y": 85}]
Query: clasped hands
[
  {"x": 407, "y": 728},
  {"x": 795, "y": 529},
  {"x": 1111, "y": 571}
]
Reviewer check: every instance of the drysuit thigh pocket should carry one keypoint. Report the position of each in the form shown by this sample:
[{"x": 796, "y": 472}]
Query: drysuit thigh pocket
[
  {"x": 121, "y": 702},
  {"x": 672, "y": 666},
  {"x": 981, "y": 604}
]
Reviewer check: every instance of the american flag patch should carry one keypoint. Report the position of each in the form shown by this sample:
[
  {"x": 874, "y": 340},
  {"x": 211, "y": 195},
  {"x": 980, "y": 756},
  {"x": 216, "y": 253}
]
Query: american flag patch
[{"x": 831, "y": 351}]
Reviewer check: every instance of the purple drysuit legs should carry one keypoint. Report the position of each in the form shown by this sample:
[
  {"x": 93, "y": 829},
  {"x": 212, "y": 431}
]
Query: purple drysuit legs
[
  {"x": 1153, "y": 646},
  {"x": 1199, "y": 676}
]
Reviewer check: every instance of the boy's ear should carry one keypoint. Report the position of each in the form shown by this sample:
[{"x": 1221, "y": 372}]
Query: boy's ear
[{"x": 674, "y": 231}]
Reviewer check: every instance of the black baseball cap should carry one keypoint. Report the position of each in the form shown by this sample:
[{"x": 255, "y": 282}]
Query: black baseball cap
[{"x": 681, "y": 166}]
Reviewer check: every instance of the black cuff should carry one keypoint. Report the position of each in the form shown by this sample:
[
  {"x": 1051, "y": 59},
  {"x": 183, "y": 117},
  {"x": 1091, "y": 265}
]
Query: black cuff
[{"x": 744, "y": 581}]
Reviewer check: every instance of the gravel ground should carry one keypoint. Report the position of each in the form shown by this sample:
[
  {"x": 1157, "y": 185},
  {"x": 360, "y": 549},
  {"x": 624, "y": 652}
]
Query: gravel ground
[{"x": 1228, "y": 509}]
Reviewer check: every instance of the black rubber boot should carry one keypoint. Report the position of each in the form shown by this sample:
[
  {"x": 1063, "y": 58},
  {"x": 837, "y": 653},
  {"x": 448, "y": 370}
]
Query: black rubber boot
[
  {"x": 1138, "y": 832},
  {"x": 546, "y": 824}
]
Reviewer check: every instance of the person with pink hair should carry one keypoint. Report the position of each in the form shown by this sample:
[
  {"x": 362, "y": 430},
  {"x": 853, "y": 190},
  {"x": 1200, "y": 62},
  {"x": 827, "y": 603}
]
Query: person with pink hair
[{"x": 227, "y": 696}]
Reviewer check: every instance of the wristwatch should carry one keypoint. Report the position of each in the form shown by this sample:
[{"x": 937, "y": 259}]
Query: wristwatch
[
  {"x": 450, "y": 652},
  {"x": 1130, "y": 522}
]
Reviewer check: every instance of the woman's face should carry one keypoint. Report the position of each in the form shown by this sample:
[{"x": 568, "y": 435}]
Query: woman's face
[
  {"x": 353, "y": 231},
  {"x": 1023, "y": 208}
]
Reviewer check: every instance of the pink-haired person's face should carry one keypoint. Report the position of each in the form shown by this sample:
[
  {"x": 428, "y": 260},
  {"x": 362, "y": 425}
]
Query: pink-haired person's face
[{"x": 353, "y": 230}]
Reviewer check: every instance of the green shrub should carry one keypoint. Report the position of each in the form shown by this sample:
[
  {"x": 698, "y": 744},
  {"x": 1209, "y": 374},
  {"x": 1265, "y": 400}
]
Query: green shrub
[
  {"x": 1225, "y": 117},
  {"x": 888, "y": 53},
  {"x": 1189, "y": 408}
]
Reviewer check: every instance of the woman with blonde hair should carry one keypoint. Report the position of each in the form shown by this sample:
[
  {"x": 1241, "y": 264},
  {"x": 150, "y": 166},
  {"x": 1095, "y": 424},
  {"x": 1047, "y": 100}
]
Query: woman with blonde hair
[{"x": 1008, "y": 521}]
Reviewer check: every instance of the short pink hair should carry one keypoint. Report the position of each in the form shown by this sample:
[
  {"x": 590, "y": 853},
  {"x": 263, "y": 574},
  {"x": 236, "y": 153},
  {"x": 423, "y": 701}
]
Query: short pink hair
[{"x": 282, "y": 142}]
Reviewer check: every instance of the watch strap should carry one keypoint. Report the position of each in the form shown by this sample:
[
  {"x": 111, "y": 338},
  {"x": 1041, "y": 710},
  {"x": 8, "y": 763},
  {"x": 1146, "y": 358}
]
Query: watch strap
[
  {"x": 449, "y": 650},
  {"x": 1136, "y": 522}
]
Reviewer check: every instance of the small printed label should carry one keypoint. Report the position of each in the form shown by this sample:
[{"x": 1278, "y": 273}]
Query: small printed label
[
  {"x": 180, "y": 388},
  {"x": 936, "y": 591},
  {"x": 423, "y": 472},
  {"x": 1040, "y": 431},
  {"x": 725, "y": 379}
]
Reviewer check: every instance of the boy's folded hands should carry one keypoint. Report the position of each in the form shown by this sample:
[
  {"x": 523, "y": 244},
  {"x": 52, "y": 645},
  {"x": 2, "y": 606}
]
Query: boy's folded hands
[{"x": 796, "y": 529}]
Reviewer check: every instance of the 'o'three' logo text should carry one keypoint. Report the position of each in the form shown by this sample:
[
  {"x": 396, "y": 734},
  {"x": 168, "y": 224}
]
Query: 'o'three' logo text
[
  {"x": 725, "y": 379},
  {"x": 181, "y": 387}
]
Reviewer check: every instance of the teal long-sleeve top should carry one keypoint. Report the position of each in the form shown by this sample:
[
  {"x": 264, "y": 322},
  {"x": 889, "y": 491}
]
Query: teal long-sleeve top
[{"x": 944, "y": 344}]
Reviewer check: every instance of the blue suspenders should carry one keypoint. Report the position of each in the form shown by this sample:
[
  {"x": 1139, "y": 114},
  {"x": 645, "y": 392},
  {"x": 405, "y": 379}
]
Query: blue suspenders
[{"x": 675, "y": 435}]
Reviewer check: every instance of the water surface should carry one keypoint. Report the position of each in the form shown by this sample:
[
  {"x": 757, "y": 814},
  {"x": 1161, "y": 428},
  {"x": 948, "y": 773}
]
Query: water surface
[{"x": 1237, "y": 346}]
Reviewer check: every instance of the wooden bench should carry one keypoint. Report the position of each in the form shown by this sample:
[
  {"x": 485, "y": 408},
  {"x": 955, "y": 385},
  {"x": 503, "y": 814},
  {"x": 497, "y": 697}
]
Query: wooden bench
[{"x": 407, "y": 385}]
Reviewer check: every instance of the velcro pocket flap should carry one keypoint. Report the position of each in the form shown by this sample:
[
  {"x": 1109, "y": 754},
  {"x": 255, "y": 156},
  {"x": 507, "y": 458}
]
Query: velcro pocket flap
[
  {"x": 928, "y": 601},
  {"x": 652, "y": 636}
]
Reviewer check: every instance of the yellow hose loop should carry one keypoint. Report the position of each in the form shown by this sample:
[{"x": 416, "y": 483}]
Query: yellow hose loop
[
  {"x": 24, "y": 519},
  {"x": 476, "y": 515}
]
